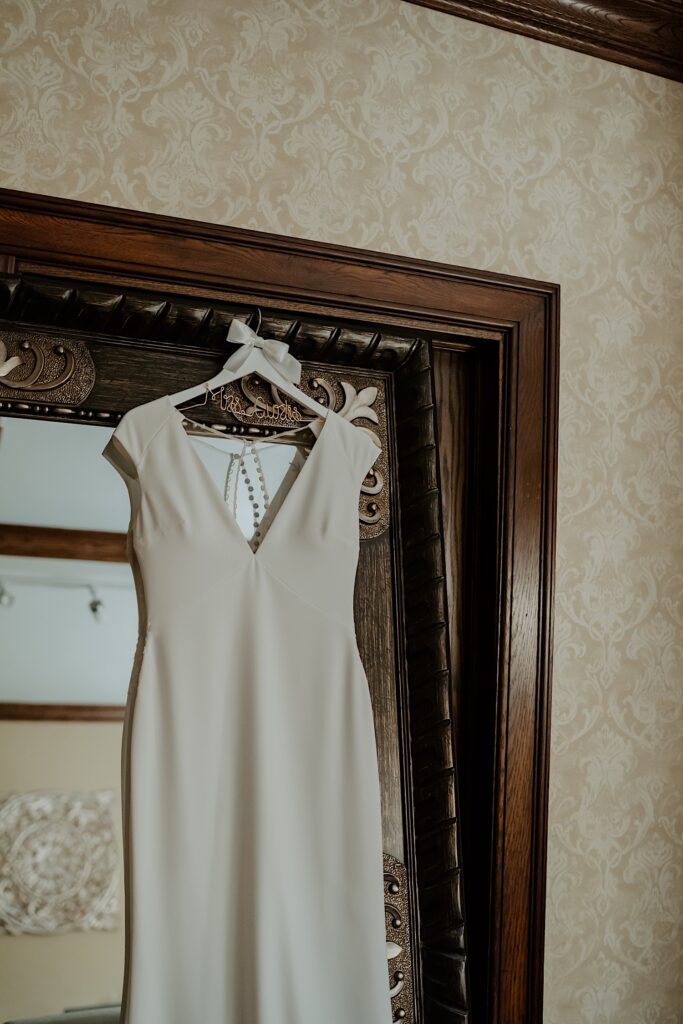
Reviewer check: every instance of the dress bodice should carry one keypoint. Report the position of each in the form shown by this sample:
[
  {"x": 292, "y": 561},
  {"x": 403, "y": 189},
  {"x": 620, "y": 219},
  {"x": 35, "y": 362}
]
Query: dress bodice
[{"x": 181, "y": 527}]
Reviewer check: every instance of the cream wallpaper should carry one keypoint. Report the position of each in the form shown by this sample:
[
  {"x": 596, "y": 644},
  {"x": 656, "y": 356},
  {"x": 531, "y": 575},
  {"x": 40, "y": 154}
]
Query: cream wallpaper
[{"x": 379, "y": 124}]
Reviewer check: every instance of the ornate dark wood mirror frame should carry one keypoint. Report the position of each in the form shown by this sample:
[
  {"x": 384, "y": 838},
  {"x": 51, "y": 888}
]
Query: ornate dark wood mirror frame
[{"x": 475, "y": 558}]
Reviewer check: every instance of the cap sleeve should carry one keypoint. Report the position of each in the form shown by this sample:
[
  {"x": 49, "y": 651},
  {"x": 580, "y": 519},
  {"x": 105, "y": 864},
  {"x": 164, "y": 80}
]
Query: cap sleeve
[
  {"x": 124, "y": 448},
  {"x": 368, "y": 450}
]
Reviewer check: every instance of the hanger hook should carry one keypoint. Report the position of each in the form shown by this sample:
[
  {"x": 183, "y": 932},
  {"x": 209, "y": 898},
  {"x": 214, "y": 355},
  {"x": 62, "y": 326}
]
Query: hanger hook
[{"x": 258, "y": 323}]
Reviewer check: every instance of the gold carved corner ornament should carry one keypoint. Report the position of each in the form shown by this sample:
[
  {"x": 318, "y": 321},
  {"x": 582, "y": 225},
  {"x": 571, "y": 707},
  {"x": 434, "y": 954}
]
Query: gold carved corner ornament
[
  {"x": 396, "y": 914},
  {"x": 36, "y": 366},
  {"x": 360, "y": 401}
]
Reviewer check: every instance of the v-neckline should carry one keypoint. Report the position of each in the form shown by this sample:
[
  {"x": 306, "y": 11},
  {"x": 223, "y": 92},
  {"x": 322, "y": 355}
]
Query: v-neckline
[{"x": 281, "y": 505}]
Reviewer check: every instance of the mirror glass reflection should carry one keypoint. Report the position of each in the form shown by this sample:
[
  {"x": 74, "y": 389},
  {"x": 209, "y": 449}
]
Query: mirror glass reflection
[{"x": 68, "y": 632}]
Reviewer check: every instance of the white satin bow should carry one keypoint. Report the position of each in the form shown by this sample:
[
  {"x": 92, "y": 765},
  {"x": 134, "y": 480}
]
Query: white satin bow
[{"x": 276, "y": 352}]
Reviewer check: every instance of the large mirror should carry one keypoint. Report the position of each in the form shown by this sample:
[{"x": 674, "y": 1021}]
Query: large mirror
[
  {"x": 68, "y": 631},
  {"x": 117, "y": 307}
]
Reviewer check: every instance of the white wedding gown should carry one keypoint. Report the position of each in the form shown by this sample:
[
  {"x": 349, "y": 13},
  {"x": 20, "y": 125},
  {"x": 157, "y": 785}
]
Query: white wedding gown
[{"x": 252, "y": 831}]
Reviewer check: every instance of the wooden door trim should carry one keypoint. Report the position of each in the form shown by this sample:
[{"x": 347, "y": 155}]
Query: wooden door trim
[
  {"x": 516, "y": 323},
  {"x": 13, "y": 711},
  {"x": 643, "y": 34},
  {"x": 58, "y": 542}
]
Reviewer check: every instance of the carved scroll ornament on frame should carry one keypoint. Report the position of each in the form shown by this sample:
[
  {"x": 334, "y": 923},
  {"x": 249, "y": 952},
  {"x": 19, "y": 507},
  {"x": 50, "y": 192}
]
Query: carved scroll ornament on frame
[
  {"x": 36, "y": 366},
  {"x": 398, "y": 939}
]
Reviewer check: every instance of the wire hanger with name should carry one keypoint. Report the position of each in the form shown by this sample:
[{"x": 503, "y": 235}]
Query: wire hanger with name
[{"x": 273, "y": 362}]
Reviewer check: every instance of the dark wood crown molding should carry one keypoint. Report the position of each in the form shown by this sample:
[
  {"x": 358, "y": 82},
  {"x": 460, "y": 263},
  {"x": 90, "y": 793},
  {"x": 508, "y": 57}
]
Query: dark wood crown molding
[{"x": 642, "y": 34}]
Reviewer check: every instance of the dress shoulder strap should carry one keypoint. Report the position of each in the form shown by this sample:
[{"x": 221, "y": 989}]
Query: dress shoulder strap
[
  {"x": 135, "y": 430},
  {"x": 362, "y": 450},
  {"x": 368, "y": 452}
]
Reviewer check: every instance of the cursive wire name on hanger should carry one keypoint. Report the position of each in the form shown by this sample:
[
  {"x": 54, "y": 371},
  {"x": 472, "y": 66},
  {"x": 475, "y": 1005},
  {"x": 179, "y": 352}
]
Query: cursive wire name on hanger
[{"x": 283, "y": 412}]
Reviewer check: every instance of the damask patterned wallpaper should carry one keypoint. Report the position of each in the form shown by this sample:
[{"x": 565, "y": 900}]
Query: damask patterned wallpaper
[{"x": 379, "y": 124}]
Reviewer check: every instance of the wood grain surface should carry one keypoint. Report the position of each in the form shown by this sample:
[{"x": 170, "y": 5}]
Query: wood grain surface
[
  {"x": 55, "y": 542},
  {"x": 642, "y": 34},
  {"x": 28, "y": 712}
]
